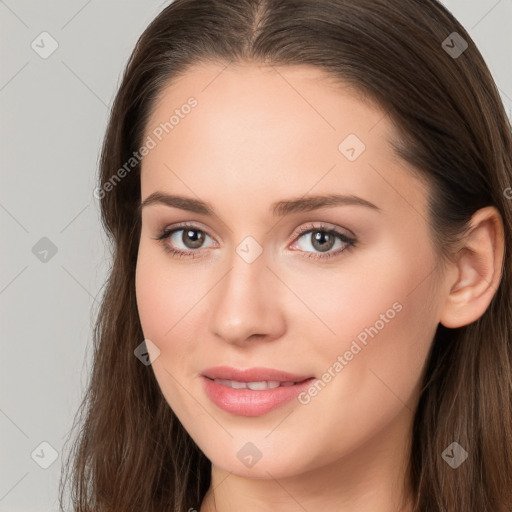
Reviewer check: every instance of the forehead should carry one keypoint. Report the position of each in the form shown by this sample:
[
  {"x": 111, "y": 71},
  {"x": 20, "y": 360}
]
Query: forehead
[
  {"x": 253, "y": 96},
  {"x": 255, "y": 128}
]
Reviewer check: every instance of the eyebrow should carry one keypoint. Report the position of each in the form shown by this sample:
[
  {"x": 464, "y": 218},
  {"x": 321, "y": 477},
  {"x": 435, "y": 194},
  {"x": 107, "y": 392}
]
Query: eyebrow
[{"x": 279, "y": 208}]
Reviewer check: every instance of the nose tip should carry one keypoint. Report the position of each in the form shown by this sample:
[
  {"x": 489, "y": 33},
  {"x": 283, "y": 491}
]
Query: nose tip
[{"x": 245, "y": 302}]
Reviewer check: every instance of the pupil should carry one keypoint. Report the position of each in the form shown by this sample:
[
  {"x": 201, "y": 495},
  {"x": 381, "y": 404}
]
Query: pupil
[
  {"x": 319, "y": 236},
  {"x": 196, "y": 240}
]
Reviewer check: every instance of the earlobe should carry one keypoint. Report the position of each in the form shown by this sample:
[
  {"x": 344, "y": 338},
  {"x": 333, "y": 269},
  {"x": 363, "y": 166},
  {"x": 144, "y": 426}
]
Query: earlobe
[{"x": 479, "y": 270}]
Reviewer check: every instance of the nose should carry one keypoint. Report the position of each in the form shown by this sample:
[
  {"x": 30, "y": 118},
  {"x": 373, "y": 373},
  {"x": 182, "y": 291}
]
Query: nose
[{"x": 245, "y": 304}]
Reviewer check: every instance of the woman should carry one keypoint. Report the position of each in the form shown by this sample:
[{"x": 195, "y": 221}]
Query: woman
[{"x": 309, "y": 304}]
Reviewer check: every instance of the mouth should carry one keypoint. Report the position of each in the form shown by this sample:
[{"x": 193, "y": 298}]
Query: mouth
[
  {"x": 252, "y": 392},
  {"x": 254, "y": 376},
  {"x": 256, "y": 385}
]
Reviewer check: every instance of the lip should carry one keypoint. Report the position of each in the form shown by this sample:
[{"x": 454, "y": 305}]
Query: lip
[
  {"x": 246, "y": 402},
  {"x": 252, "y": 374}
]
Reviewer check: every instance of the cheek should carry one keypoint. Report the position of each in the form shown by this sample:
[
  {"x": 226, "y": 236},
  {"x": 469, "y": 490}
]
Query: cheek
[
  {"x": 151, "y": 295},
  {"x": 380, "y": 317},
  {"x": 164, "y": 293},
  {"x": 171, "y": 302},
  {"x": 163, "y": 300}
]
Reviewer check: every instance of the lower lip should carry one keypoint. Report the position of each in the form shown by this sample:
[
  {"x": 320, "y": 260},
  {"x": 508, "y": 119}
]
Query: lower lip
[{"x": 246, "y": 402}]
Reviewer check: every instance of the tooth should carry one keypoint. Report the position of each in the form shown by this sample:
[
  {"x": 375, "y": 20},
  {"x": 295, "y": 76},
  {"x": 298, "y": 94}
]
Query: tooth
[
  {"x": 257, "y": 386},
  {"x": 238, "y": 385}
]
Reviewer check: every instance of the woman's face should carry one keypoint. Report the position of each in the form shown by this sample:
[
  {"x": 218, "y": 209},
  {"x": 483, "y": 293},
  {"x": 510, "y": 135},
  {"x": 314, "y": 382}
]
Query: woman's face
[{"x": 265, "y": 284}]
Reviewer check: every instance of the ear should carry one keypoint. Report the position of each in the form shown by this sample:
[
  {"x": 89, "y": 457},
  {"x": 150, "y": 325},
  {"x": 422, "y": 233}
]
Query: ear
[{"x": 478, "y": 270}]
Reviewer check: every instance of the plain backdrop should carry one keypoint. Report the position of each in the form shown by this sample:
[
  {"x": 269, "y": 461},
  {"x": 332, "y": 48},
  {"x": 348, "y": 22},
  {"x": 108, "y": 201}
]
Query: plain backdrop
[{"x": 54, "y": 258}]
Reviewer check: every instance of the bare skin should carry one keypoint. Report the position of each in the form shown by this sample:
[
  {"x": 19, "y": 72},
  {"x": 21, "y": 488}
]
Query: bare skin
[{"x": 259, "y": 135}]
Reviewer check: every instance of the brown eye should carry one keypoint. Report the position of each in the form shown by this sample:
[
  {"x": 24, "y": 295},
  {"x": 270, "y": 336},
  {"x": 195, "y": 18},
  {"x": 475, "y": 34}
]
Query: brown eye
[
  {"x": 322, "y": 239},
  {"x": 188, "y": 243},
  {"x": 192, "y": 238}
]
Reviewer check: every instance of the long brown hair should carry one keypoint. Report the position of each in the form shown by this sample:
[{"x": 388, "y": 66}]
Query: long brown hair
[{"x": 132, "y": 453}]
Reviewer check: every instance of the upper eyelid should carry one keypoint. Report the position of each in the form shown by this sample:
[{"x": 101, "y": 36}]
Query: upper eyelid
[{"x": 325, "y": 227}]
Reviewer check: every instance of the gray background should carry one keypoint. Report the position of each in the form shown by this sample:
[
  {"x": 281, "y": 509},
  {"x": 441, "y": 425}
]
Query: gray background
[{"x": 53, "y": 116}]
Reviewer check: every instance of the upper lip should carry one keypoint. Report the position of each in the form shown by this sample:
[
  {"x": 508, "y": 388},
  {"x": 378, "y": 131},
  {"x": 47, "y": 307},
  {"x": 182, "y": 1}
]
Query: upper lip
[{"x": 256, "y": 374}]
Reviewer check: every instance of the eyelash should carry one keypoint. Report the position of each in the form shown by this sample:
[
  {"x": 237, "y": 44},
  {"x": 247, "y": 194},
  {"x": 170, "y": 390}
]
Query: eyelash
[{"x": 350, "y": 242}]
